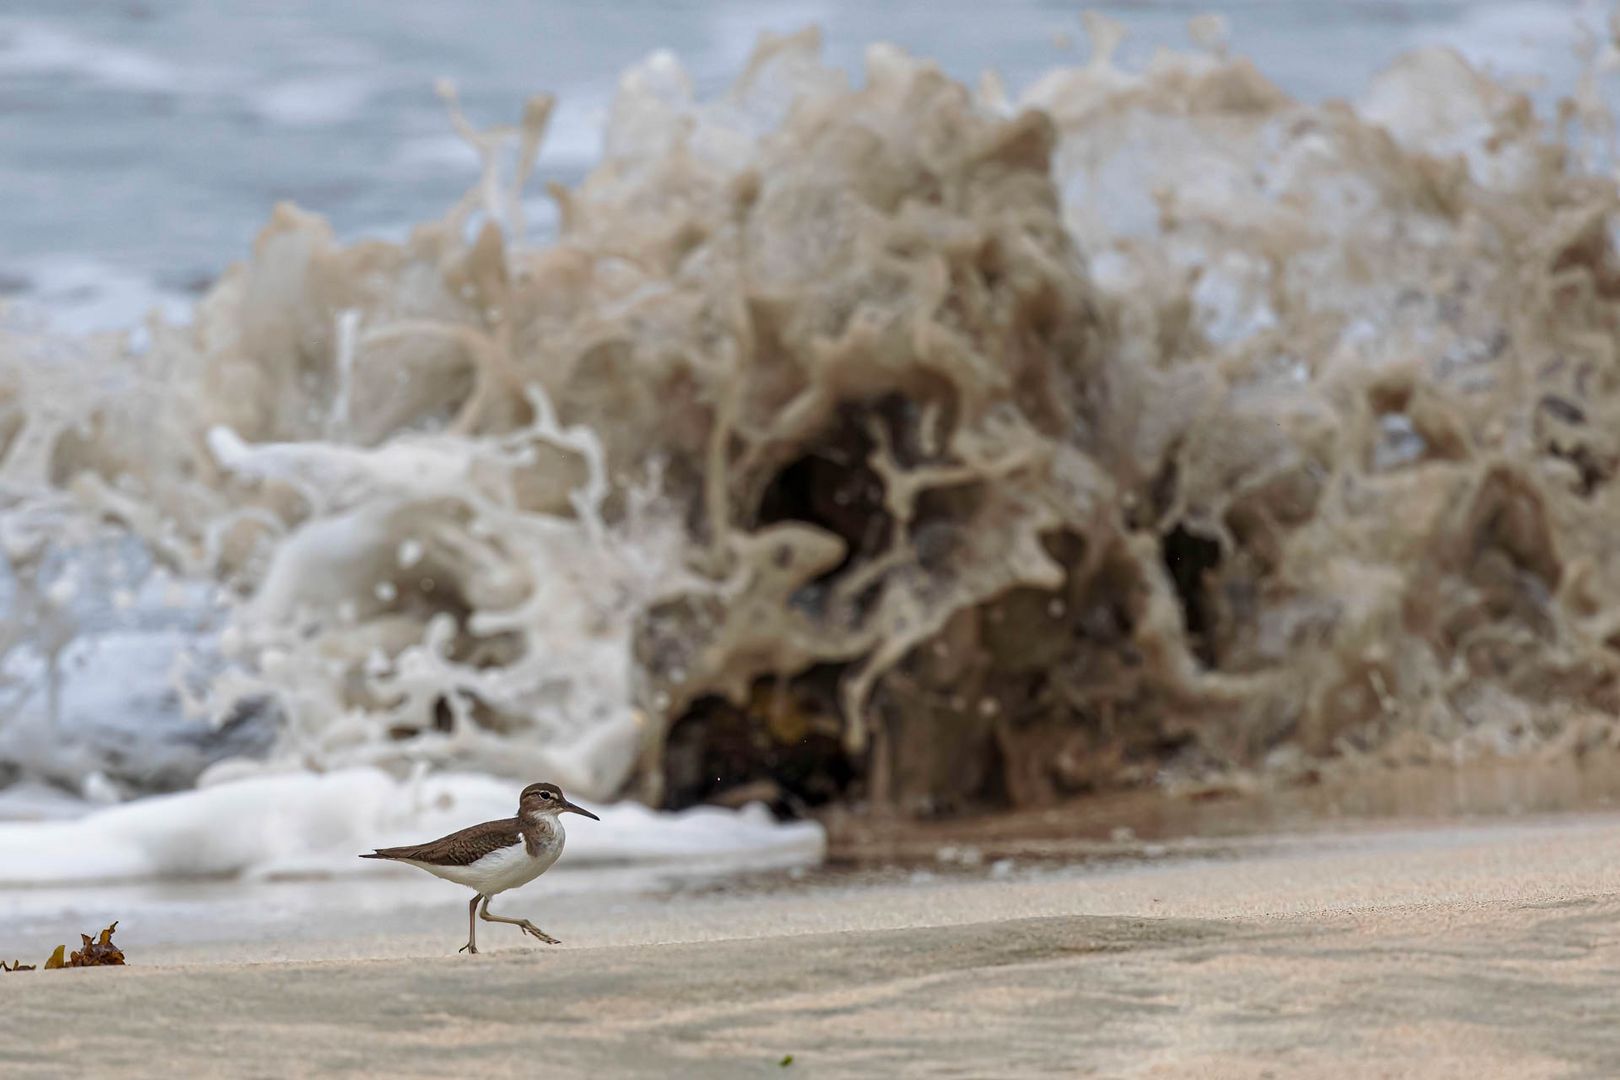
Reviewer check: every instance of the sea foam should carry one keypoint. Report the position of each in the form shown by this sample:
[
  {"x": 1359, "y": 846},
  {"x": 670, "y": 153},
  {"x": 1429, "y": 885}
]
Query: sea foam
[{"x": 303, "y": 824}]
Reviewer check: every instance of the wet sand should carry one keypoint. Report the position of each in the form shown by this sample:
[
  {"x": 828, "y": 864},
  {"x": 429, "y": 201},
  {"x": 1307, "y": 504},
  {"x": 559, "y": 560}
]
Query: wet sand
[{"x": 1477, "y": 951}]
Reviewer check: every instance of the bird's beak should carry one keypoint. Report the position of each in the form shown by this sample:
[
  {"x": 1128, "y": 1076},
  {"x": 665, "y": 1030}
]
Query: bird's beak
[{"x": 567, "y": 806}]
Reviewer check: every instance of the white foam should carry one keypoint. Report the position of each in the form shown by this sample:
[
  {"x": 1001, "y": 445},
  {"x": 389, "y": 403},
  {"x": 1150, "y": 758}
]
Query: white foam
[
  {"x": 315, "y": 101},
  {"x": 434, "y": 153},
  {"x": 33, "y": 48},
  {"x": 573, "y": 140},
  {"x": 30, "y": 800},
  {"x": 77, "y": 294},
  {"x": 1514, "y": 40},
  {"x": 574, "y": 136},
  {"x": 112, "y": 690},
  {"x": 733, "y": 32},
  {"x": 308, "y": 824}
]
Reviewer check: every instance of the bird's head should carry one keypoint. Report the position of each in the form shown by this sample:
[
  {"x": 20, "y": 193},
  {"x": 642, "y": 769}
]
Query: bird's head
[{"x": 547, "y": 800}]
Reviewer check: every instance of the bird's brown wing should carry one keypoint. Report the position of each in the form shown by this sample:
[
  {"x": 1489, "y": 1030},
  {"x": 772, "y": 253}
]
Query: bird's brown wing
[{"x": 459, "y": 848}]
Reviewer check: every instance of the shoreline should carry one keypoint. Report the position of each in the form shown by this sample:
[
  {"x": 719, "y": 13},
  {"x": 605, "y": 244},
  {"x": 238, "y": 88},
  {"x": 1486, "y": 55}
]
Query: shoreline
[
  {"x": 1483, "y": 950},
  {"x": 1243, "y": 811}
]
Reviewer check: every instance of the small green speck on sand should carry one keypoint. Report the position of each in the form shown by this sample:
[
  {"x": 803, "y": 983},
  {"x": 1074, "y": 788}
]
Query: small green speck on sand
[{"x": 786, "y": 1061}]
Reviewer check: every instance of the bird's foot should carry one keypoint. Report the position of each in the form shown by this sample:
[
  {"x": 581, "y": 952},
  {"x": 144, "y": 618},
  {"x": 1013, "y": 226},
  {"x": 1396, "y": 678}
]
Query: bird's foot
[
  {"x": 470, "y": 949},
  {"x": 534, "y": 931}
]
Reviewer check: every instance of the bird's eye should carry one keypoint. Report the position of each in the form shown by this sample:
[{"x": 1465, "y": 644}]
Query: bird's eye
[{"x": 545, "y": 794}]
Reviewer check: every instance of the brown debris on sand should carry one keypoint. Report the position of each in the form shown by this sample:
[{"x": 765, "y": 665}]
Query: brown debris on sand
[{"x": 96, "y": 952}]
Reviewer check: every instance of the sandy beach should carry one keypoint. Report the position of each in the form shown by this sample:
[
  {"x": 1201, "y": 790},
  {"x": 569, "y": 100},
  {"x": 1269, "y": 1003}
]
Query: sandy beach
[{"x": 1486, "y": 950}]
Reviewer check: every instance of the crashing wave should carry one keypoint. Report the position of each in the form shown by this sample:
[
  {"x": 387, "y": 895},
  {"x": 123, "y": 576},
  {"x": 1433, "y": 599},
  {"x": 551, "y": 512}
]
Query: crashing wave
[{"x": 901, "y": 439}]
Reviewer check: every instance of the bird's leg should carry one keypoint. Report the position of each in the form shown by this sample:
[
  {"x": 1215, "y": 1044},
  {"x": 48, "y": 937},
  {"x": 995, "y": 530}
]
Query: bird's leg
[
  {"x": 527, "y": 926},
  {"x": 472, "y": 928}
]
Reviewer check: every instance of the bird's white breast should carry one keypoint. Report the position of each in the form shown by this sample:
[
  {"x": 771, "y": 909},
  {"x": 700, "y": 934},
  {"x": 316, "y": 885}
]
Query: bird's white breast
[{"x": 506, "y": 868}]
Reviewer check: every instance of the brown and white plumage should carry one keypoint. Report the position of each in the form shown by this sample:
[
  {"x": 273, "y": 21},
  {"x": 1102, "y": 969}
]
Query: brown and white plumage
[
  {"x": 466, "y": 846},
  {"x": 495, "y": 856}
]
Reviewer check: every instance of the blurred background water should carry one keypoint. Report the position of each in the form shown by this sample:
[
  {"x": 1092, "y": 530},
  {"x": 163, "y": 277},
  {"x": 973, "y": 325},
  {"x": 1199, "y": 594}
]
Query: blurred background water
[{"x": 143, "y": 142}]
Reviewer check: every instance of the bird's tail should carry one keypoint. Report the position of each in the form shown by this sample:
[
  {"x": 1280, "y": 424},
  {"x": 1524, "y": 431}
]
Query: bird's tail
[{"x": 405, "y": 852}]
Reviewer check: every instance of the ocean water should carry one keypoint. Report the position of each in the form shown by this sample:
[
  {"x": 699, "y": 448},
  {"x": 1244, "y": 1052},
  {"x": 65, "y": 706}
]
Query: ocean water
[
  {"x": 1138, "y": 399},
  {"x": 143, "y": 143}
]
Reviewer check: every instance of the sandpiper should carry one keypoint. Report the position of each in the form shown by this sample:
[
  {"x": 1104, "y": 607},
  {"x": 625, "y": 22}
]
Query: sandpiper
[{"x": 497, "y": 855}]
